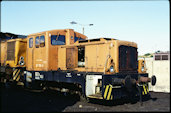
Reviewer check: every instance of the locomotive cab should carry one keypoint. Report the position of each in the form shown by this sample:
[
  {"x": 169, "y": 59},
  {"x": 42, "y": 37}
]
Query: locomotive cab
[{"x": 42, "y": 49}]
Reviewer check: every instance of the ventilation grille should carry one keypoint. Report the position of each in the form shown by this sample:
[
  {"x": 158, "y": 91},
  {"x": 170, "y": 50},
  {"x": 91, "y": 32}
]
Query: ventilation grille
[
  {"x": 10, "y": 50},
  {"x": 128, "y": 59}
]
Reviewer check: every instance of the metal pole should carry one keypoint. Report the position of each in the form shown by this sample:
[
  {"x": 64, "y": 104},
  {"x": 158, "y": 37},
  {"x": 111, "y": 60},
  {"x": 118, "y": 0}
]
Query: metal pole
[
  {"x": 83, "y": 30},
  {"x": 80, "y": 25}
]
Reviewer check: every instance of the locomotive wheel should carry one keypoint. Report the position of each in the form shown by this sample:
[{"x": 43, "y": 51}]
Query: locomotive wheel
[
  {"x": 8, "y": 70},
  {"x": 83, "y": 98},
  {"x": 129, "y": 85},
  {"x": 3, "y": 78}
]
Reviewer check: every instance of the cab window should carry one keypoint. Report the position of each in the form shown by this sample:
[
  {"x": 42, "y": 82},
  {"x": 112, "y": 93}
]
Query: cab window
[
  {"x": 58, "y": 39},
  {"x": 76, "y": 38},
  {"x": 42, "y": 41},
  {"x": 37, "y": 42},
  {"x": 30, "y": 42}
]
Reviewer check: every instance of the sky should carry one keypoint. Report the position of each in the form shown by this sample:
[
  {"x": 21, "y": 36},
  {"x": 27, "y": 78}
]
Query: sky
[{"x": 146, "y": 23}]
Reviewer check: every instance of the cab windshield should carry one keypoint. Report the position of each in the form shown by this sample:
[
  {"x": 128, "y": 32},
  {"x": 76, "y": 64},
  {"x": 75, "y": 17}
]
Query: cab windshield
[{"x": 58, "y": 39}]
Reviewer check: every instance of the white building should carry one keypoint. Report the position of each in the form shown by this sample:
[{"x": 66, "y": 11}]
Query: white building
[{"x": 159, "y": 65}]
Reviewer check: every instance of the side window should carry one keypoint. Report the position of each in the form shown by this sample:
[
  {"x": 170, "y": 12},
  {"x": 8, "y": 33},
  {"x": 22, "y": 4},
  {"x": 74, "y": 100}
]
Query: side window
[
  {"x": 81, "y": 56},
  {"x": 157, "y": 57},
  {"x": 76, "y": 38},
  {"x": 37, "y": 42},
  {"x": 58, "y": 40},
  {"x": 42, "y": 41},
  {"x": 30, "y": 42},
  {"x": 164, "y": 57}
]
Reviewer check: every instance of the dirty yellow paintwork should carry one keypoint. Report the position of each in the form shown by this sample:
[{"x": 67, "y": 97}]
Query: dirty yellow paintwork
[
  {"x": 16, "y": 74},
  {"x": 100, "y": 54},
  {"x": 96, "y": 55},
  {"x": 20, "y": 50},
  {"x": 3, "y": 52},
  {"x": 141, "y": 63},
  {"x": 145, "y": 90},
  {"x": 107, "y": 92},
  {"x": 47, "y": 58}
]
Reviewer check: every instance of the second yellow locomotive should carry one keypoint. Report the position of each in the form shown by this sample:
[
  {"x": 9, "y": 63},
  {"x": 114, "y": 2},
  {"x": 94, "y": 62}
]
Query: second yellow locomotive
[{"x": 13, "y": 58}]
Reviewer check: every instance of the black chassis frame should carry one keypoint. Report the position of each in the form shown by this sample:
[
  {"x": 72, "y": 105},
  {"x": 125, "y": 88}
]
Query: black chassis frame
[
  {"x": 122, "y": 91},
  {"x": 70, "y": 78}
]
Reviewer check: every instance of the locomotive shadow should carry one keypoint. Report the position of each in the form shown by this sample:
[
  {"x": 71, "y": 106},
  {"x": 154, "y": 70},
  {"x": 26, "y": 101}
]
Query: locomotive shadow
[
  {"x": 123, "y": 101},
  {"x": 20, "y": 100}
]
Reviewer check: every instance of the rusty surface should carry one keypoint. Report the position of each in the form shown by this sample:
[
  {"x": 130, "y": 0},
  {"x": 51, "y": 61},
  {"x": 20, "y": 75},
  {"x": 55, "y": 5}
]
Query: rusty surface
[
  {"x": 144, "y": 79},
  {"x": 127, "y": 59},
  {"x": 70, "y": 58}
]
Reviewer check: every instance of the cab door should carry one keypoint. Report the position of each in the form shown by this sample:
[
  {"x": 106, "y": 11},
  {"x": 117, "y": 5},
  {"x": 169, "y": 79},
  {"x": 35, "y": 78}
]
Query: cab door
[
  {"x": 30, "y": 52},
  {"x": 71, "y": 57},
  {"x": 40, "y": 53}
]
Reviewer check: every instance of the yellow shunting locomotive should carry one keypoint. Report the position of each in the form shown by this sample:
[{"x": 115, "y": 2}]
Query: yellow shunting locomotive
[
  {"x": 103, "y": 68},
  {"x": 13, "y": 59}
]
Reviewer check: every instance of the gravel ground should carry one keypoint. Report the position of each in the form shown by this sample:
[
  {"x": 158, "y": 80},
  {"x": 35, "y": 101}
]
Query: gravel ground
[{"x": 17, "y": 99}]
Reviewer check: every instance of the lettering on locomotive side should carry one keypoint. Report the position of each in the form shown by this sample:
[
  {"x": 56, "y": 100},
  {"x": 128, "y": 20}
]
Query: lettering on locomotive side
[
  {"x": 68, "y": 75},
  {"x": 39, "y": 65},
  {"x": 38, "y": 76},
  {"x": 39, "y": 60},
  {"x": 78, "y": 74}
]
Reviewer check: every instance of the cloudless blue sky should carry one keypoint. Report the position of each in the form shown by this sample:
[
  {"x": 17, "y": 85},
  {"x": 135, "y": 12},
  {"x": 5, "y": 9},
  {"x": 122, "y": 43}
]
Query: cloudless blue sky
[{"x": 143, "y": 22}]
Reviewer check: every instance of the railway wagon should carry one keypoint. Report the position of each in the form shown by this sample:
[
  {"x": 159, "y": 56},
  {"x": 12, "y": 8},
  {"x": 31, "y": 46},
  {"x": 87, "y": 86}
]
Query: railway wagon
[
  {"x": 13, "y": 59},
  {"x": 103, "y": 68}
]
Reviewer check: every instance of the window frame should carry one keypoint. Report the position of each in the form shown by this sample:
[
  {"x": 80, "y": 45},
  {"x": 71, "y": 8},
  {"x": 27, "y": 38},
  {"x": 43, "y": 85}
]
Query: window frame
[
  {"x": 164, "y": 57},
  {"x": 78, "y": 39},
  {"x": 58, "y": 40},
  {"x": 157, "y": 57},
  {"x": 32, "y": 42},
  {"x": 36, "y": 42},
  {"x": 40, "y": 41}
]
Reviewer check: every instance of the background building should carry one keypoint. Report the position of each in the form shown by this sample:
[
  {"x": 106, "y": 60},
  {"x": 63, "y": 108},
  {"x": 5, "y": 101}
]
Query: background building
[{"x": 159, "y": 65}]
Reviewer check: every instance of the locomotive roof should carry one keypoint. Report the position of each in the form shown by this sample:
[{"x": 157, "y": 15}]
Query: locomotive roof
[
  {"x": 96, "y": 39},
  {"x": 56, "y": 30},
  {"x": 48, "y": 31},
  {"x": 100, "y": 41}
]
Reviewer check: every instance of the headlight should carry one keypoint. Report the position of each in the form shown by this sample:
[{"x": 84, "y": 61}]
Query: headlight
[
  {"x": 21, "y": 62},
  {"x": 21, "y": 58},
  {"x": 111, "y": 69},
  {"x": 142, "y": 68}
]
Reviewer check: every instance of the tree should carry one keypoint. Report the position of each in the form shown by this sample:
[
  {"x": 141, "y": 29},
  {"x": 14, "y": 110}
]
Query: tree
[{"x": 147, "y": 54}]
